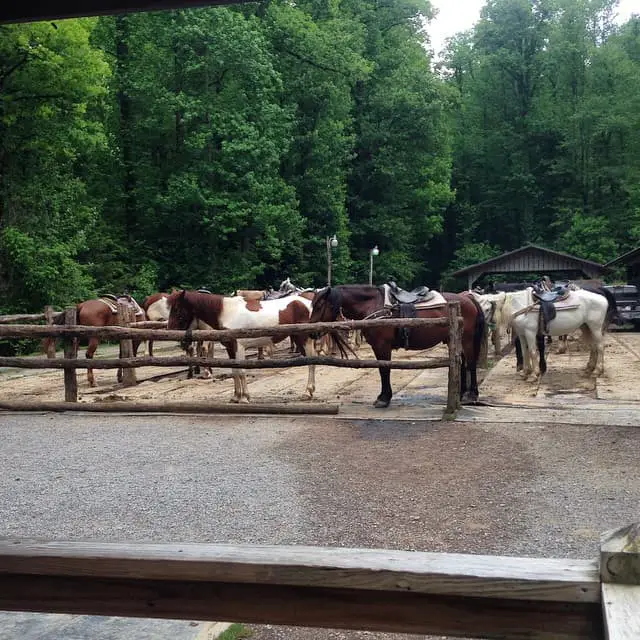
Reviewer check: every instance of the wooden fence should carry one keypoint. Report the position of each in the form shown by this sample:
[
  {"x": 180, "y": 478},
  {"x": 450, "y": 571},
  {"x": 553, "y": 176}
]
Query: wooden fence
[
  {"x": 458, "y": 595},
  {"x": 130, "y": 331}
]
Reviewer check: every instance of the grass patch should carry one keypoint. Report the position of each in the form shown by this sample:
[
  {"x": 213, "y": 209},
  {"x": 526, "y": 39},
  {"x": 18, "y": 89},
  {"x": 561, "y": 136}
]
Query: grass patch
[{"x": 236, "y": 632}]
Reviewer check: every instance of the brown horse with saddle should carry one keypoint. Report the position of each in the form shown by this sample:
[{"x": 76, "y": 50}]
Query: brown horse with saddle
[
  {"x": 100, "y": 312},
  {"x": 362, "y": 302}
]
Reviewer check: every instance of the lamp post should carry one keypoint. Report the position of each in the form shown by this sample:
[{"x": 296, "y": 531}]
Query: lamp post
[
  {"x": 372, "y": 254},
  {"x": 332, "y": 243}
]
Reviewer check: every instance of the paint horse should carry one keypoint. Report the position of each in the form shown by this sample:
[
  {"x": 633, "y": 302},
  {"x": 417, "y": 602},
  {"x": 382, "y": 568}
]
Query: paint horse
[
  {"x": 102, "y": 312},
  {"x": 157, "y": 309},
  {"x": 222, "y": 312},
  {"x": 361, "y": 302},
  {"x": 582, "y": 309}
]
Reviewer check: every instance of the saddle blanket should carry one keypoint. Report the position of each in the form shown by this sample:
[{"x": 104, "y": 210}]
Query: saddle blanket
[
  {"x": 570, "y": 302},
  {"x": 112, "y": 303},
  {"x": 434, "y": 299}
]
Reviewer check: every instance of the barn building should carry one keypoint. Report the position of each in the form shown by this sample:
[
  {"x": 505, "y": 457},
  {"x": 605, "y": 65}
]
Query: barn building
[
  {"x": 630, "y": 260},
  {"x": 533, "y": 259}
]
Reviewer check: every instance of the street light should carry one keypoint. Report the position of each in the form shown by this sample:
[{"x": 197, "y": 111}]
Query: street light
[
  {"x": 332, "y": 243},
  {"x": 372, "y": 254}
]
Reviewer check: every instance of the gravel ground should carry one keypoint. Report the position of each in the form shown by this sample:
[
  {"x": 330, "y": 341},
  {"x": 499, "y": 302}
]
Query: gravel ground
[{"x": 521, "y": 489}]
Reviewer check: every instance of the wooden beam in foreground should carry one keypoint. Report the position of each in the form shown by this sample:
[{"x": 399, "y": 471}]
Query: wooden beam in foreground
[
  {"x": 620, "y": 574},
  {"x": 395, "y": 591},
  {"x": 135, "y": 406}
]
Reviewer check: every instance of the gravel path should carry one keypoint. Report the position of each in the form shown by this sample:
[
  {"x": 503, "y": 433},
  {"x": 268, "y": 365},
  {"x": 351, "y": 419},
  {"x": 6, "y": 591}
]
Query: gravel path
[{"x": 522, "y": 489}]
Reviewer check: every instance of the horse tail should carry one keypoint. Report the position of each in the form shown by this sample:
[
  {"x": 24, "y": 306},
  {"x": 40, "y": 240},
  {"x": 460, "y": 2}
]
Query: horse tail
[
  {"x": 478, "y": 330},
  {"x": 613, "y": 313}
]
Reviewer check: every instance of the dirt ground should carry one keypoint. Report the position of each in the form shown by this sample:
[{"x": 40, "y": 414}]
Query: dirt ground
[{"x": 417, "y": 394}]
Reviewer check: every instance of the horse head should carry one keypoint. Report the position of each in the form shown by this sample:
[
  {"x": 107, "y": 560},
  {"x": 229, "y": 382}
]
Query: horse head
[
  {"x": 181, "y": 312},
  {"x": 326, "y": 305}
]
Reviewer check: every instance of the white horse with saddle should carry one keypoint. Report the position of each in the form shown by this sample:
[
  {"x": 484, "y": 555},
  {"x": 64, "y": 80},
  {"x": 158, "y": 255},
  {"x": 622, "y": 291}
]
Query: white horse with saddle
[{"x": 578, "y": 309}]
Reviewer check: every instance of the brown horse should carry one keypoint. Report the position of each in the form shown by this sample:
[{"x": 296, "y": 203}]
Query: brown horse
[
  {"x": 94, "y": 313},
  {"x": 235, "y": 312},
  {"x": 359, "y": 302}
]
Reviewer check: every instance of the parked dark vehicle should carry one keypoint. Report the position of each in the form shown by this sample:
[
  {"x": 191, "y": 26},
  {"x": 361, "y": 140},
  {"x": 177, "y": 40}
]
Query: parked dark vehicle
[{"x": 628, "y": 299}]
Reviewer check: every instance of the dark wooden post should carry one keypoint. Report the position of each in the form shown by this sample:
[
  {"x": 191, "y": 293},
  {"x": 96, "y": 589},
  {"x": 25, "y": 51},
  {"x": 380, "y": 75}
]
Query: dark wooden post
[
  {"x": 455, "y": 358},
  {"x": 620, "y": 577},
  {"x": 70, "y": 353},
  {"x": 51, "y": 344},
  {"x": 125, "y": 317}
]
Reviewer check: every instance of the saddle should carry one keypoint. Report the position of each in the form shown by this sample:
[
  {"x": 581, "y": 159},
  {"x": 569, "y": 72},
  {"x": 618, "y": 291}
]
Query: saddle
[
  {"x": 416, "y": 296},
  {"x": 547, "y": 298},
  {"x": 203, "y": 290},
  {"x": 112, "y": 302}
]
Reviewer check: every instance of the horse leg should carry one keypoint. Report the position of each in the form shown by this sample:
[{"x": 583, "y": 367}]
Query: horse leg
[
  {"x": 150, "y": 348},
  {"x": 207, "y": 352},
  {"x": 562, "y": 344},
  {"x": 91, "y": 349},
  {"x": 260, "y": 353},
  {"x": 463, "y": 377},
  {"x": 232, "y": 350},
  {"x": 587, "y": 337},
  {"x": 382, "y": 351},
  {"x": 541, "y": 347},
  {"x": 519, "y": 356},
  {"x": 242, "y": 377},
  {"x": 307, "y": 346},
  {"x": 531, "y": 339}
]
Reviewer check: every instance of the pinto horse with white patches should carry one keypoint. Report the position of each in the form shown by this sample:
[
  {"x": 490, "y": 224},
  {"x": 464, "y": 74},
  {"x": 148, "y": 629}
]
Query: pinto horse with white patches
[{"x": 222, "y": 312}]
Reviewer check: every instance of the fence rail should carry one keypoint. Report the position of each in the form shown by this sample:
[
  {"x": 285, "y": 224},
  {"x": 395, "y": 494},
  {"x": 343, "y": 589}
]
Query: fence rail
[
  {"x": 459, "y": 595},
  {"x": 130, "y": 330}
]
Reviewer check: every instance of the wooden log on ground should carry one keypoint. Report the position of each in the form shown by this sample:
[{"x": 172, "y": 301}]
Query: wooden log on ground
[
  {"x": 70, "y": 353},
  {"x": 125, "y": 315},
  {"x": 301, "y": 408},
  {"x": 49, "y": 316},
  {"x": 220, "y": 363},
  {"x": 394, "y": 591},
  {"x": 120, "y": 333},
  {"x": 455, "y": 358},
  {"x": 620, "y": 575}
]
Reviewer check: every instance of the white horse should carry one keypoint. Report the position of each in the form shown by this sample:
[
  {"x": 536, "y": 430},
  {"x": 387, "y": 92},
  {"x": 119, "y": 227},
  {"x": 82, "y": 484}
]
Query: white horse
[{"x": 583, "y": 310}]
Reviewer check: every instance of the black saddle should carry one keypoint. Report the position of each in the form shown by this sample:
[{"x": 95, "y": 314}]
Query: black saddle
[
  {"x": 556, "y": 294},
  {"x": 110, "y": 296},
  {"x": 419, "y": 294}
]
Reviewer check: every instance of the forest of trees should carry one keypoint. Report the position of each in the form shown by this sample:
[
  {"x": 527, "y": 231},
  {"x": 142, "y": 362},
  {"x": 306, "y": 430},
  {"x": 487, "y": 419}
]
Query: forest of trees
[{"x": 219, "y": 147}]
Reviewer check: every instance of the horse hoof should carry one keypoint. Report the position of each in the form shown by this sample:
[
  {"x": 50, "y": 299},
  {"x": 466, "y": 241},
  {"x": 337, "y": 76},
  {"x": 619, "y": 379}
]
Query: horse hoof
[
  {"x": 381, "y": 404},
  {"x": 235, "y": 399},
  {"x": 309, "y": 394},
  {"x": 244, "y": 400}
]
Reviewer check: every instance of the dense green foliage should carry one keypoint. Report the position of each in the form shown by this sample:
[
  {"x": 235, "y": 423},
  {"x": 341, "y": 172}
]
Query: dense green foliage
[{"x": 219, "y": 147}]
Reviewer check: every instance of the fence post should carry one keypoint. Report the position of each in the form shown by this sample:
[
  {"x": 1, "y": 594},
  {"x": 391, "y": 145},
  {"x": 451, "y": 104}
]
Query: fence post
[
  {"x": 51, "y": 344},
  {"x": 70, "y": 353},
  {"x": 455, "y": 358},
  {"x": 125, "y": 314},
  {"x": 620, "y": 578}
]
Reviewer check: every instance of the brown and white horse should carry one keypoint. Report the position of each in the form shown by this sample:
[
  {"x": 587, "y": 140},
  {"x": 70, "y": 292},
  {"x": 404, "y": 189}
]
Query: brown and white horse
[
  {"x": 157, "y": 309},
  {"x": 221, "y": 312},
  {"x": 94, "y": 313}
]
